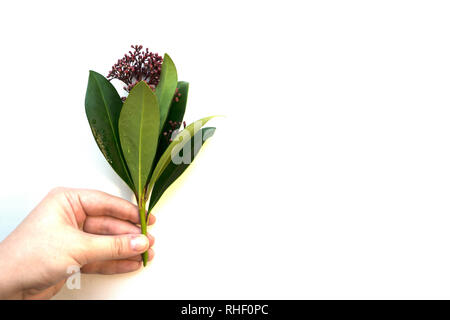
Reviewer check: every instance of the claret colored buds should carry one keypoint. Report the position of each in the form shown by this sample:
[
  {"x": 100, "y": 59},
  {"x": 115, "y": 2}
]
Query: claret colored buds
[{"x": 137, "y": 65}]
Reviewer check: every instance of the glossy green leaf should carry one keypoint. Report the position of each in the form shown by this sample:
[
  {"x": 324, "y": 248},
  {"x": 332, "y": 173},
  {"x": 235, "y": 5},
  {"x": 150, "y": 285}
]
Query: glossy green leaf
[
  {"x": 139, "y": 132},
  {"x": 103, "y": 106},
  {"x": 174, "y": 148},
  {"x": 177, "y": 108},
  {"x": 176, "y": 114},
  {"x": 174, "y": 171},
  {"x": 165, "y": 89}
]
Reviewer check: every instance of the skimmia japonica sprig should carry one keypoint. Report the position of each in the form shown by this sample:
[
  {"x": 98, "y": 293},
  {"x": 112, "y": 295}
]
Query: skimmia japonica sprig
[{"x": 140, "y": 134}]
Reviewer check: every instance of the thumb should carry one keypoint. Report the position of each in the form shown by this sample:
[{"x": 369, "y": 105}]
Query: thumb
[{"x": 99, "y": 248}]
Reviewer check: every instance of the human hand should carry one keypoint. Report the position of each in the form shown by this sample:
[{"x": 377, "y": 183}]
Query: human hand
[{"x": 89, "y": 229}]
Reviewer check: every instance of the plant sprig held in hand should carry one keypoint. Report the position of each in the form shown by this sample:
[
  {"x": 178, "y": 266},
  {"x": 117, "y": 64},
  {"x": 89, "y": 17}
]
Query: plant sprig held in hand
[{"x": 140, "y": 135}]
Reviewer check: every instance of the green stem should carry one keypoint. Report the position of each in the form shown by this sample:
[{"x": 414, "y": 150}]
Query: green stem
[{"x": 143, "y": 218}]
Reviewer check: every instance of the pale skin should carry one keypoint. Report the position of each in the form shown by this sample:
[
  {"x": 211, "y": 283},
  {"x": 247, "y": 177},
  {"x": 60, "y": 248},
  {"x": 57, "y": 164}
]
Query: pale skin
[{"x": 89, "y": 229}]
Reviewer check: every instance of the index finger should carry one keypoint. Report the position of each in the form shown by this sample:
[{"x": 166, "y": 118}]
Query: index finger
[{"x": 97, "y": 203}]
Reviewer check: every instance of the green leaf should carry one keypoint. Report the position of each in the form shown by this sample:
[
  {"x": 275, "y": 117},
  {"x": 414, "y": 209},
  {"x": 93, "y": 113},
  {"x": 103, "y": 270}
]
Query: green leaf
[
  {"x": 177, "y": 108},
  {"x": 103, "y": 105},
  {"x": 174, "y": 171},
  {"x": 176, "y": 114},
  {"x": 175, "y": 147},
  {"x": 166, "y": 88},
  {"x": 139, "y": 132}
]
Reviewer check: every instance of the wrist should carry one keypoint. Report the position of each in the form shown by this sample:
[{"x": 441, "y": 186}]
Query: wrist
[{"x": 9, "y": 280}]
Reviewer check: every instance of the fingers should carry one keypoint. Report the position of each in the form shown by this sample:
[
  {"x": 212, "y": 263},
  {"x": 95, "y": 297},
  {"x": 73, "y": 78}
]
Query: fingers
[
  {"x": 115, "y": 266},
  {"x": 97, "y": 203},
  {"x": 95, "y": 248},
  {"x": 105, "y": 225},
  {"x": 136, "y": 258},
  {"x": 112, "y": 267},
  {"x": 151, "y": 219},
  {"x": 110, "y": 229}
]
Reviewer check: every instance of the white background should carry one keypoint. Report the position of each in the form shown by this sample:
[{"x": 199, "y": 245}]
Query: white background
[{"x": 328, "y": 178}]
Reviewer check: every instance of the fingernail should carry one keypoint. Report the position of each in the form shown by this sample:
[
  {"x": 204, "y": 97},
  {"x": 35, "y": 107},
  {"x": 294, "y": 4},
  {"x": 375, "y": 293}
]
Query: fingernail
[{"x": 139, "y": 243}]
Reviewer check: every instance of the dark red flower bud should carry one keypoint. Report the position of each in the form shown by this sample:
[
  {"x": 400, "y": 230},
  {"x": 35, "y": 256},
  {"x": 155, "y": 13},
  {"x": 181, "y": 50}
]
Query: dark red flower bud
[{"x": 137, "y": 66}]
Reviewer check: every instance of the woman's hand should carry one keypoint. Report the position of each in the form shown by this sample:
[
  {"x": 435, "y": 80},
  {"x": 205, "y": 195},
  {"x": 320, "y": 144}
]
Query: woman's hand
[{"x": 89, "y": 229}]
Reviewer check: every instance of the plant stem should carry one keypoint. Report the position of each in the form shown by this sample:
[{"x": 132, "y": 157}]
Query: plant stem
[{"x": 143, "y": 218}]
